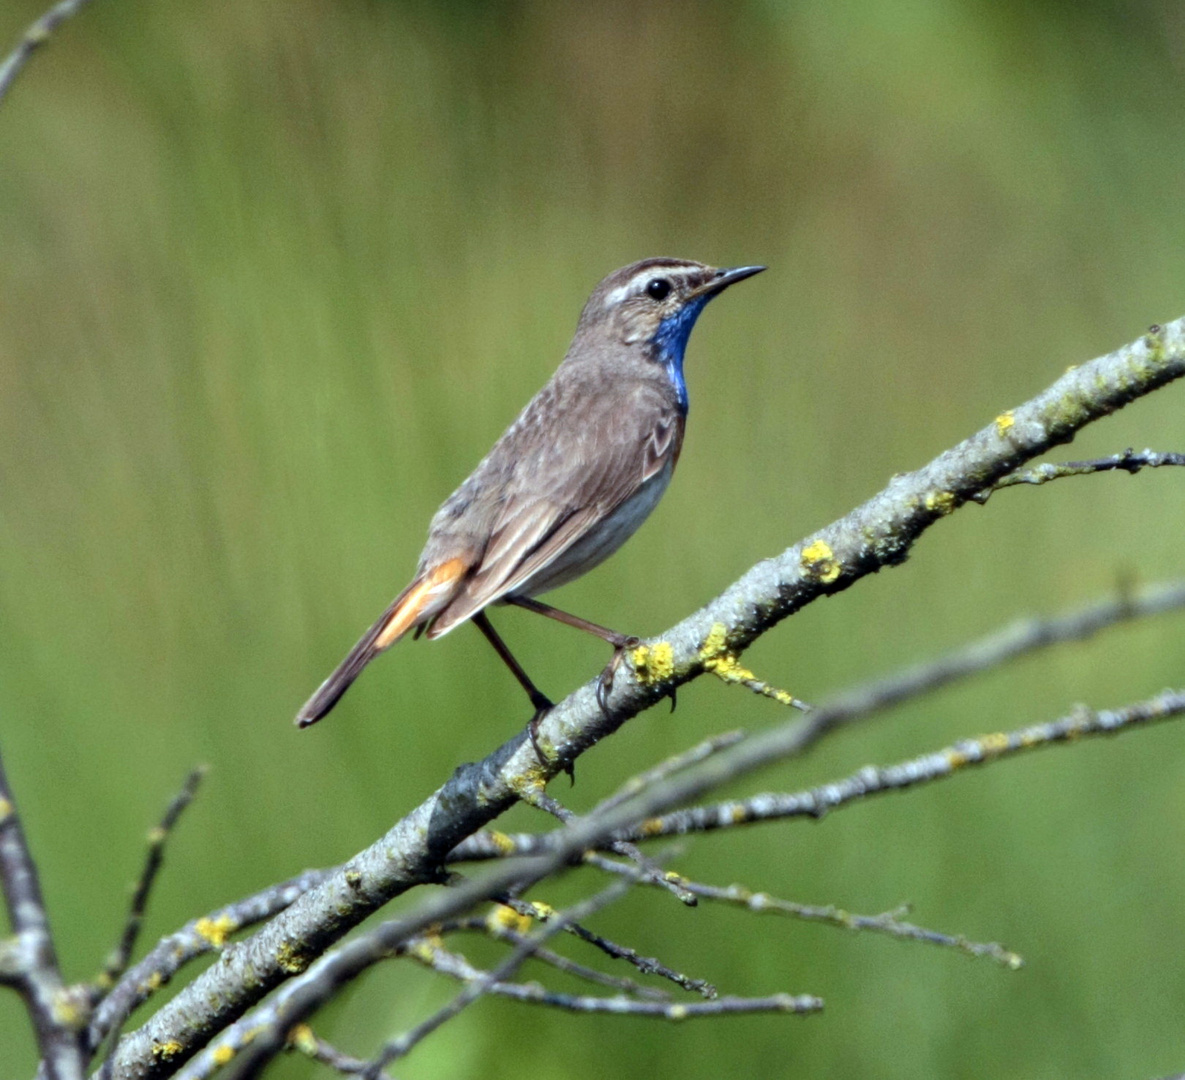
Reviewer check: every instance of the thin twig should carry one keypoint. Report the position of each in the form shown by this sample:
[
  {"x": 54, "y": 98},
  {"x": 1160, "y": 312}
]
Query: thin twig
[
  {"x": 503, "y": 924},
  {"x": 651, "y": 871},
  {"x": 117, "y": 962},
  {"x": 888, "y": 922},
  {"x": 457, "y": 967},
  {"x": 672, "y": 765},
  {"x": 1129, "y": 461},
  {"x": 30, "y": 963},
  {"x": 644, "y": 965},
  {"x": 36, "y": 36},
  {"x": 484, "y": 982},
  {"x": 305, "y": 1040}
]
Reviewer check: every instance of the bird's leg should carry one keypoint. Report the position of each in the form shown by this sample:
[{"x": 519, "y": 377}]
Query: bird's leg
[
  {"x": 620, "y": 642},
  {"x": 540, "y": 700}
]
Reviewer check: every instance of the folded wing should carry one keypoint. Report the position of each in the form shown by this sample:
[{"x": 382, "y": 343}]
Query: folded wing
[{"x": 562, "y": 492}]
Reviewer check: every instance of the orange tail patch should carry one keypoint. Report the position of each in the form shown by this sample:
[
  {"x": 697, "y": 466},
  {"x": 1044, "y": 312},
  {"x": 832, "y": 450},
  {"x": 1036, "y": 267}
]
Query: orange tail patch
[
  {"x": 418, "y": 603},
  {"x": 422, "y": 601}
]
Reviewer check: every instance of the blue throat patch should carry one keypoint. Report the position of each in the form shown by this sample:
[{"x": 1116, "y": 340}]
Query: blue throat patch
[{"x": 671, "y": 341}]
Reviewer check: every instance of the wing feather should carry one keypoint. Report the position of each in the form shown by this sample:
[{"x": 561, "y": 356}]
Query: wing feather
[{"x": 561, "y": 491}]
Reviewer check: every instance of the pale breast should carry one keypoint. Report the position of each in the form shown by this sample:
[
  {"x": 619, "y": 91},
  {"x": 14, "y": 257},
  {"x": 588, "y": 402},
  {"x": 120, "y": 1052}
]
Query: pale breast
[{"x": 602, "y": 540}]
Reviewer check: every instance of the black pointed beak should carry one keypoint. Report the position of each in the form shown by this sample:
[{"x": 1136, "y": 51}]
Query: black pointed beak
[{"x": 724, "y": 278}]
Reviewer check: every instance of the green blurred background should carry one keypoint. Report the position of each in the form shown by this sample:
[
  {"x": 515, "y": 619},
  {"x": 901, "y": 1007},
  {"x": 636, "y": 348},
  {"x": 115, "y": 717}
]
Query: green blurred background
[{"x": 273, "y": 276}]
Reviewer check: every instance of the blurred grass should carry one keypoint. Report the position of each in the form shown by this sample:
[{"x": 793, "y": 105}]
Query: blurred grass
[{"x": 274, "y": 276}]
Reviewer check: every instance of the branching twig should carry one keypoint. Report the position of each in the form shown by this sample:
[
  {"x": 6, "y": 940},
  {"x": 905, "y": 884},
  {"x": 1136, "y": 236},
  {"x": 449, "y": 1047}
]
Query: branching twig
[
  {"x": 889, "y": 922},
  {"x": 36, "y": 36},
  {"x": 939, "y": 765},
  {"x": 194, "y": 939},
  {"x": 484, "y": 982},
  {"x": 502, "y": 924},
  {"x": 457, "y": 967},
  {"x": 29, "y": 963},
  {"x": 644, "y": 965},
  {"x": 879, "y": 780},
  {"x": 651, "y": 871},
  {"x": 312, "y": 1045},
  {"x": 498, "y": 926},
  {"x": 260, "y": 1034},
  {"x": 1128, "y": 461}
]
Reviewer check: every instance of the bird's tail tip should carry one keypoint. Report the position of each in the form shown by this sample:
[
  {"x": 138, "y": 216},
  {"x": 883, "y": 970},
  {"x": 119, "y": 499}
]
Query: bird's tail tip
[
  {"x": 328, "y": 694},
  {"x": 412, "y": 607}
]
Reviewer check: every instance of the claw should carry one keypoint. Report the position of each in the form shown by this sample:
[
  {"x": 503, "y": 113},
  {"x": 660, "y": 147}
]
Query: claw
[
  {"x": 543, "y": 706},
  {"x": 605, "y": 682}
]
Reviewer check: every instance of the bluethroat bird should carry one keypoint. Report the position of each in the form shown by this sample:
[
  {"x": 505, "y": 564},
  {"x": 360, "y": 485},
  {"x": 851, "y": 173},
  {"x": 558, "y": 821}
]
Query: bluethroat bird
[{"x": 568, "y": 483}]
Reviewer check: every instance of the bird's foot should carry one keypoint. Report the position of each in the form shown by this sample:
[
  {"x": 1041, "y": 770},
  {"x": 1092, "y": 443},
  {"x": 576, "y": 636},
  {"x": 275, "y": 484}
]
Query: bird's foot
[
  {"x": 620, "y": 643},
  {"x": 543, "y": 705}
]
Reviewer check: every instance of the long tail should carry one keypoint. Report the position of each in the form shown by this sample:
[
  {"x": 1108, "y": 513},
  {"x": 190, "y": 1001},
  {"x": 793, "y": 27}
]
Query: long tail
[{"x": 422, "y": 599}]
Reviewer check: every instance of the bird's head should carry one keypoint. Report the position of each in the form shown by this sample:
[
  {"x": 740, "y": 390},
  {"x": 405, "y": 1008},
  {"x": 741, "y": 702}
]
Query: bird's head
[
  {"x": 653, "y": 305},
  {"x": 657, "y": 299}
]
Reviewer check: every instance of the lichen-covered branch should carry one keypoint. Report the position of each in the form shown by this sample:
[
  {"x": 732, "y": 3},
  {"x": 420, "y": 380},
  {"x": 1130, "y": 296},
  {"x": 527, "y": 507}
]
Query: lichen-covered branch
[
  {"x": 263, "y": 1032},
  {"x": 874, "y": 536},
  {"x": 881, "y": 780},
  {"x": 198, "y": 937},
  {"x": 28, "y": 962},
  {"x": 983, "y": 654}
]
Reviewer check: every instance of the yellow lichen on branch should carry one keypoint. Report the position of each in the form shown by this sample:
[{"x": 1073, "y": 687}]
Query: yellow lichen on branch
[
  {"x": 820, "y": 563},
  {"x": 503, "y": 918},
  {"x": 216, "y": 931},
  {"x": 721, "y": 661},
  {"x": 653, "y": 663}
]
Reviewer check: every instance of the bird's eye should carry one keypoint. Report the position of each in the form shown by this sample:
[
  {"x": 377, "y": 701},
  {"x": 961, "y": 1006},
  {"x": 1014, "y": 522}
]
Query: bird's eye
[{"x": 658, "y": 288}]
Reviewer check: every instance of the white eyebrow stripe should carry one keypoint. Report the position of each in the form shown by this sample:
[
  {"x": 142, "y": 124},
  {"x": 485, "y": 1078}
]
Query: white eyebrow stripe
[
  {"x": 639, "y": 281},
  {"x": 619, "y": 294}
]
